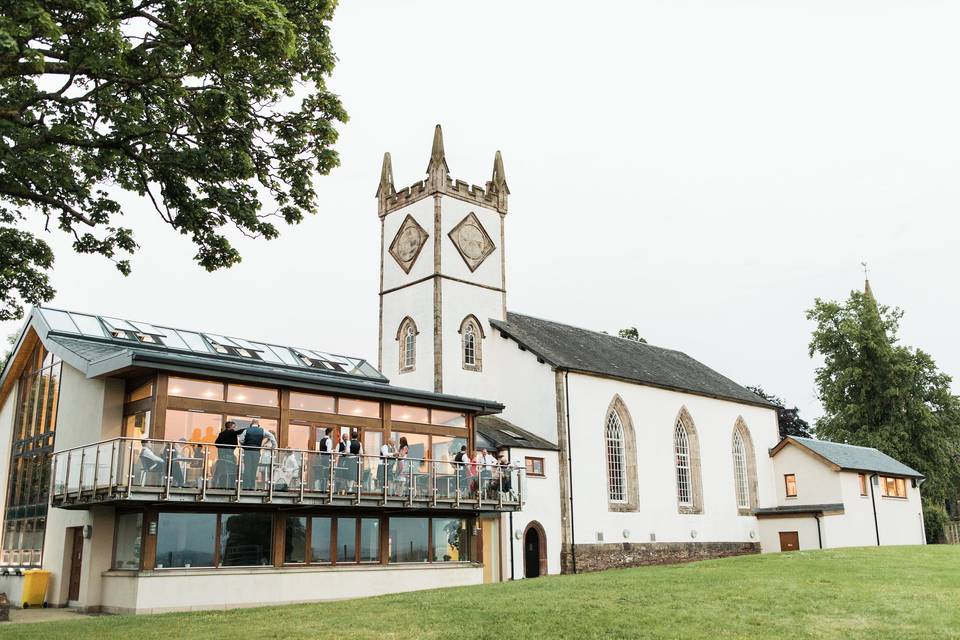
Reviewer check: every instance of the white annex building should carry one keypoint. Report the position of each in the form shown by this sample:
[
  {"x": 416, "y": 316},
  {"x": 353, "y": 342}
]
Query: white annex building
[{"x": 149, "y": 468}]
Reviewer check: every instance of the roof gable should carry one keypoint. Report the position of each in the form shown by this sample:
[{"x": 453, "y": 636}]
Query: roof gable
[{"x": 601, "y": 354}]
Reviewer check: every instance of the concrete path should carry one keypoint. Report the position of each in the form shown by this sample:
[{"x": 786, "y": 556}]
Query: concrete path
[{"x": 41, "y": 615}]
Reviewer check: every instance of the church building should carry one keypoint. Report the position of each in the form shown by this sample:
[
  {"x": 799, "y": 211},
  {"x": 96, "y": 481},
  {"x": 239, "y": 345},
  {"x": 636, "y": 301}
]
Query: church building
[{"x": 655, "y": 457}]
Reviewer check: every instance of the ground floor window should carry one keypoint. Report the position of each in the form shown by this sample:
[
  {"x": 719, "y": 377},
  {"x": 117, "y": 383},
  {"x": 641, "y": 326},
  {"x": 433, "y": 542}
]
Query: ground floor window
[
  {"x": 246, "y": 539},
  {"x": 126, "y": 551},
  {"x": 186, "y": 540}
]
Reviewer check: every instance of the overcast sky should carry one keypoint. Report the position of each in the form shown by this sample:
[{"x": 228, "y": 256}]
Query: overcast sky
[{"x": 699, "y": 170}]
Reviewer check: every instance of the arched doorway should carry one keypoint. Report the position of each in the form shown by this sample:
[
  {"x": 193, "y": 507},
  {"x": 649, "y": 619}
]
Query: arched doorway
[{"x": 534, "y": 551}]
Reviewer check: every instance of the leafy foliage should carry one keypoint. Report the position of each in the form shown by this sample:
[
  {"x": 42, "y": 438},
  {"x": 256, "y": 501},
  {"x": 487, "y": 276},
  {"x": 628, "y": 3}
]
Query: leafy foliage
[
  {"x": 189, "y": 103},
  {"x": 788, "y": 420},
  {"x": 879, "y": 393},
  {"x": 631, "y": 333}
]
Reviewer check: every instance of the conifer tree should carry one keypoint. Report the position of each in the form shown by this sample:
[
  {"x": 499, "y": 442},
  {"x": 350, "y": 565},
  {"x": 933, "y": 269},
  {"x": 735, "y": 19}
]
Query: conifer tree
[{"x": 879, "y": 393}]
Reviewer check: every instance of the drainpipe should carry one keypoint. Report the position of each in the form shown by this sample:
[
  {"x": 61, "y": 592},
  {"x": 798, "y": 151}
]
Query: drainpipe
[
  {"x": 573, "y": 537},
  {"x": 512, "y": 542},
  {"x": 816, "y": 517},
  {"x": 873, "y": 500}
]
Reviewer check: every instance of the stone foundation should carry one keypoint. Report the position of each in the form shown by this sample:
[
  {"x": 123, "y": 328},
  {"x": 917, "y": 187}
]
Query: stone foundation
[{"x": 597, "y": 557}]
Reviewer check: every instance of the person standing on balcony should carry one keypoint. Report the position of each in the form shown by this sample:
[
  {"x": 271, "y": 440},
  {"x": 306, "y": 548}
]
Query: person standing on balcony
[
  {"x": 251, "y": 440},
  {"x": 225, "y": 469},
  {"x": 322, "y": 470}
]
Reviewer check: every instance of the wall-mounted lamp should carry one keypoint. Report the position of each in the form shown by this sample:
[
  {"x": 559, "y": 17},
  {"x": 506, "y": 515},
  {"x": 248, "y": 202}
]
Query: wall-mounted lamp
[{"x": 87, "y": 531}]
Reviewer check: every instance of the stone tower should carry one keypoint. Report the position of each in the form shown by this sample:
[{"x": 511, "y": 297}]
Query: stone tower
[{"x": 441, "y": 274}]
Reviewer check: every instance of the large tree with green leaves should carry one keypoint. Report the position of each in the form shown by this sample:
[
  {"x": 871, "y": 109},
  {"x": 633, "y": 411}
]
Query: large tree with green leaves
[
  {"x": 205, "y": 108},
  {"x": 879, "y": 393}
]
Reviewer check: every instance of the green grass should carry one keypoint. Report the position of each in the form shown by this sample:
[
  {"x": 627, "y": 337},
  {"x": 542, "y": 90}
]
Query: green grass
[{"x": 898, "y": 593}]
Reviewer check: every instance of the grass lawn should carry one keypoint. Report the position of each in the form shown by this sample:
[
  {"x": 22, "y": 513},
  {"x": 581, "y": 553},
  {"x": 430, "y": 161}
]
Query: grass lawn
[{"x": 890, "y": 592}]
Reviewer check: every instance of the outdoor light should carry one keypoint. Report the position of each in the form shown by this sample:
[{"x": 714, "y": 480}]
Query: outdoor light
[
  {"x": 753, "y": 534},
  {"x": 693, "y": 533},
  {"x": 87, "y": 531},
  {"x": 518, "y": 534},
  {"x": 626, "y": 533}
]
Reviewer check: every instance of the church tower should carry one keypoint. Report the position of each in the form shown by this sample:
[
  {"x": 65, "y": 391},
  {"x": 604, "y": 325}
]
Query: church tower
[{"x": 441, "y": 274}]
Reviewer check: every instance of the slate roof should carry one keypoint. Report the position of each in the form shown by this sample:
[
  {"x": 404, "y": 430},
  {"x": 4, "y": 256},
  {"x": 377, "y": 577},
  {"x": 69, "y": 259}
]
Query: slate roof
[
  {"x": 577, "y": 349},
  {"x": 853, "y": 458},
  {"x": 493, "y": 432}
]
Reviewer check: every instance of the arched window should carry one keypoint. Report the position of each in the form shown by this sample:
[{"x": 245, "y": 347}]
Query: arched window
[
  {"x": 471, "y": 336},
  {"x": 407, "y": 339},
  {"x": 681, "y": 446},
  {"x": 616, "y": 473},
  {"x": 740, "y": 472},
  {"x": 744, "y": 469},
  {"x": 686, "y": 456}
]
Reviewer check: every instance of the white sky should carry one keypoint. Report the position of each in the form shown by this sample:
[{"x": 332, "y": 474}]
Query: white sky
[{"x": 701, "y": 170}]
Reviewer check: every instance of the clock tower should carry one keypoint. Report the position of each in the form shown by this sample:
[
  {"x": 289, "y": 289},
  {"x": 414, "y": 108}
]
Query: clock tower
[{"x": 441, "y": 274}]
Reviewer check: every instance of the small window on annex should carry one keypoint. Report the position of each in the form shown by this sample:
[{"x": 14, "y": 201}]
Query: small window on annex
[
  {"x": 862, "y": 477},
  {"x": 534, "y": 466},
  {"x": 893, "y": 487},
  {"x": 790, "y": 485}
]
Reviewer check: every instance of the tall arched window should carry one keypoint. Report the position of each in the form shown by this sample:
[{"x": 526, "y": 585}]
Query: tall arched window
[
  {"x": 616, "y": 473},
  {"x": 620, "y": 456},
  {"x": 740, "y": 472},
  {"x": 407, "y": 339},
  {"x": 681, "y": 447},
  {"x": 471, "y": 336},
  {"x": 686, "y": 455},
  {"x": 744, "y": 469}
]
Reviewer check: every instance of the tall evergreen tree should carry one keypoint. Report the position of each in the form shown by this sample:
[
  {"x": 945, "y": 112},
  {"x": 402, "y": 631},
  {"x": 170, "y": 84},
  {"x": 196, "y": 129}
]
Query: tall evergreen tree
[
  {"x": 788, "y": 419},
  {"x": 879, "y": 393}
]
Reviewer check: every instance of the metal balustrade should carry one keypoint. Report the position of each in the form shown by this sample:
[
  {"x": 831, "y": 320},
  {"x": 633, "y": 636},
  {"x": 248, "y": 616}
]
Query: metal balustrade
[{"x": 151, "y": 471}]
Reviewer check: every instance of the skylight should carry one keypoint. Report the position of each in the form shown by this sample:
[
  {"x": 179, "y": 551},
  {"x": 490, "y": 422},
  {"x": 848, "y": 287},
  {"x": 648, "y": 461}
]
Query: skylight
[{"x": 208, "y": 344}]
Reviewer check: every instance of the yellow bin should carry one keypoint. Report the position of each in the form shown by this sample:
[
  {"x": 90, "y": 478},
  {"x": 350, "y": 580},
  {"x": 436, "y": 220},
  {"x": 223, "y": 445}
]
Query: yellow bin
[{"x": 35, "y": 583}]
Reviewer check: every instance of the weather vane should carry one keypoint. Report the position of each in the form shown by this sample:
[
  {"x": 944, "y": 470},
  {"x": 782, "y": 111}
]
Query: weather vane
[{"x": 865, "y": 270}]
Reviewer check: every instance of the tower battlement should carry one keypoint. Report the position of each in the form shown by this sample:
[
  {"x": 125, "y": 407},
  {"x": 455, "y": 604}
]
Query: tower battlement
[{"x": 493, "y": 195}]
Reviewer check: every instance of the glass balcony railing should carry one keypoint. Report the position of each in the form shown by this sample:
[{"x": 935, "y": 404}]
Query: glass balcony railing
[{"x": 156, "y": 470}]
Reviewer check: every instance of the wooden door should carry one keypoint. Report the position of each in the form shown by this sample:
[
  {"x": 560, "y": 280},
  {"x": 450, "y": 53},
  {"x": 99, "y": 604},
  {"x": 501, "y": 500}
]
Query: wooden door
[
  {"x": 76, "y": 563},
  {"x": 789, "y": 541}
]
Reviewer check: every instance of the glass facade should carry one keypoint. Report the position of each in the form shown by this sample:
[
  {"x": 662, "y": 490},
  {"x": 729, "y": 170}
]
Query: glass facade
[
  {"x": 450, "y": 540},
  {"x": 369, "y": 540},
  {"x": 312, "y": 402},
  {"x": 320, "y": 539},
  {"x": 252, "y": 395},
  {"x": 246, "y": 540},
  {"x": 192, "y": 426},
  {"x": 409, "y": 539},
  {"x": 295, "y": 540},
  {"x": 31, "y": 460},
  {"x": 346, "y": 539},
  {"x": 191, "y": 388},
  {"x": 186, "y": 540},
  {"x": 126, "y": 552}
]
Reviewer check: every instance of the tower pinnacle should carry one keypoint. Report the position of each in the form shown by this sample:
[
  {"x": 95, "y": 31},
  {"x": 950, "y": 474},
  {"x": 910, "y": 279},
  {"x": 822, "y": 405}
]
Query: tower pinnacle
[
  {"x": 498, "y": 182},
  {"x": 437, "y": 169},
  {"x": 386, "y": 190}
]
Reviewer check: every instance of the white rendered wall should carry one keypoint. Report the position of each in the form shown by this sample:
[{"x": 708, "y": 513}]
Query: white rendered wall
[
  {"x": 805, "y": 526},
  {"x": 654, "y": 413},
  {"x": 8, "y": 413},
  {"x": 160, "y": 591},
  {"x": 541, "y": 503},
  {"x": 88, "y": 411},
  {"x": 816, "y": 482},
  {"x": 415, "y": 301}
]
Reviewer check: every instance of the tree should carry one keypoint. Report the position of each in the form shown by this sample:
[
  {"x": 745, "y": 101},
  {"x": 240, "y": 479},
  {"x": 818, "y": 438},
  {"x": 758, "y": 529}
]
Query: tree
[
  {"x": 878, "y": 393},
  {"x": 788, "y": 420},
  {"x": 188, "y": 103},
  {"x": 631, "y": 333}
]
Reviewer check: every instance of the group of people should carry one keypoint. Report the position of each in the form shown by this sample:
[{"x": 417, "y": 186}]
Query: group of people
[{"x": 339, "y": 461}]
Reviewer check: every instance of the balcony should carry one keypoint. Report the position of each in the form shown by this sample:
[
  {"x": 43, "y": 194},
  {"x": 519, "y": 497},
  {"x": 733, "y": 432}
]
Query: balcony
[{"x": 132, "y": 470}]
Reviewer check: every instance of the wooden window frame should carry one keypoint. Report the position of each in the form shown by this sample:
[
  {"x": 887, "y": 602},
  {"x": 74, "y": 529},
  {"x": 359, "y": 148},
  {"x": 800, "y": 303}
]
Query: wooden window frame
[
  {"x": 864, "y": 481},
  {"x": 532, "y": 474},
  {"x": 786, "y": 485},
  {"x": 897, "y": 482}
]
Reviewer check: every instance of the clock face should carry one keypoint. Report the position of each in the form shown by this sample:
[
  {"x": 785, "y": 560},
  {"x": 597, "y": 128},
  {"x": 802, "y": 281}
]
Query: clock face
[
  {"x": 472, "y": 241},
  {"x": 408, "y": 243}
]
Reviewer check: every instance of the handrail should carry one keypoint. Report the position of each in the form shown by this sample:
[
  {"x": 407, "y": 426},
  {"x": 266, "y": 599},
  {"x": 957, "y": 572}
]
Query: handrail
[{"x": 174, "y": 463}]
